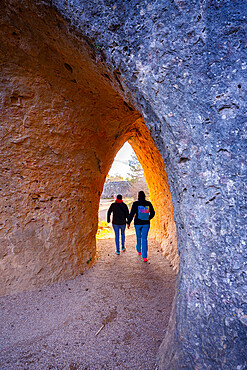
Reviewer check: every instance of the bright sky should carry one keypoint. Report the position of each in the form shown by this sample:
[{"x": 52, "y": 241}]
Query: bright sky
[{"x": 120, "y": 165}]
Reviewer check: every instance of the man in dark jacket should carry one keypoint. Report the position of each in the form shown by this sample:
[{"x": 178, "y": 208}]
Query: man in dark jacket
[
  {"x": 120, "y": 215},
  {"x": 143, "y": 211}
]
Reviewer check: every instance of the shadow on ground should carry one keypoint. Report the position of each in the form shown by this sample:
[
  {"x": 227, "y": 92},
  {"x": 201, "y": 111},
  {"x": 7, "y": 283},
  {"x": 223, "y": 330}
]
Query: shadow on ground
[{"x": 114, "y": 316}]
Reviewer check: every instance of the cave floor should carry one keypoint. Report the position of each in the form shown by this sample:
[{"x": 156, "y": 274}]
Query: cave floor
[{"x": 113, "y": 316}]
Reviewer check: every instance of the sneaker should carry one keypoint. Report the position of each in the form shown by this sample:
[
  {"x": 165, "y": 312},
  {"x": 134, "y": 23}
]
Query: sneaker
[
  {"x": 145, "y": 259},
  {"x": 123, "y": 249},
  {"x": 139, "y": 254},
  {"x": 117, "y": 252}
]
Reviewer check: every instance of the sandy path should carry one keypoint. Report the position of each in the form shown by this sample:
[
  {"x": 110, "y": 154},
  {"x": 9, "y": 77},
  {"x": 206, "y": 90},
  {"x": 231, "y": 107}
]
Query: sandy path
[{"x": 55, "y": 327}]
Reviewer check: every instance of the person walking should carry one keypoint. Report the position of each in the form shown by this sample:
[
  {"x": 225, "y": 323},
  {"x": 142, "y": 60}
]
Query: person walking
[
  {"x": 120, "y": 215},
  {"x": 143, "y": 211}
]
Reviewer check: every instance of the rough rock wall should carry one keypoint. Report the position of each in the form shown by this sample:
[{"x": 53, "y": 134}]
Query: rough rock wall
[{"x": 180, "y": 64}]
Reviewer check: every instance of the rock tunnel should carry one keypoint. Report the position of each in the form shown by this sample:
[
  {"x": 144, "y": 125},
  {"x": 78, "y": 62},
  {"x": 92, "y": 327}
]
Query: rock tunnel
[
  {"x": 67, "y": 124},
  {"x": 79, "y": 80}
]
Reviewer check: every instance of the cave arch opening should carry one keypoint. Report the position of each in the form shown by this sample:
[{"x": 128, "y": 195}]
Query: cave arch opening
[
  {"x": 163, "y": 227},
  {"x": 67, "y": 117}
]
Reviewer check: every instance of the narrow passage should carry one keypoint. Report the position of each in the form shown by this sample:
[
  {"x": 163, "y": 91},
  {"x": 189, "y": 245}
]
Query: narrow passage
[{"x": 114, "y": 316}]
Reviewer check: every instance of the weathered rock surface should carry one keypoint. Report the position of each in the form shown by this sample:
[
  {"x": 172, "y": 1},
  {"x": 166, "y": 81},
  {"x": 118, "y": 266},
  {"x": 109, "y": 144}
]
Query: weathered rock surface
[{"x": 181, "y": 65}]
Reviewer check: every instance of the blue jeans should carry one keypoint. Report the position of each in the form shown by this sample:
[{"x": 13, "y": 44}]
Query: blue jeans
[
  {"x": 142, "y": 239},
  {"x": 116, "y": 229}
]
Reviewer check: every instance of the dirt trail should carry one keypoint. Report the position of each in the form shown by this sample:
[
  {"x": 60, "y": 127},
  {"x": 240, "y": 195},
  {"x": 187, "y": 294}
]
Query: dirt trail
[{"x": 114, "y": 316}]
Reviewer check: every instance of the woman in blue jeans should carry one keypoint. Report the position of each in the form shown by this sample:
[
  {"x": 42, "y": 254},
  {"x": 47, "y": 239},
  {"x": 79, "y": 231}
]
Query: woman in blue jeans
[
  {"x": 120, "y": 215},
  {"x": 143, "y": 211}
]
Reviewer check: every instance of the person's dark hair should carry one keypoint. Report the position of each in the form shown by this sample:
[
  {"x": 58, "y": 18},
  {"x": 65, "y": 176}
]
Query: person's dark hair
[
  {"x": 141, "y": 195},
  {"x": 119, "y": 196}
]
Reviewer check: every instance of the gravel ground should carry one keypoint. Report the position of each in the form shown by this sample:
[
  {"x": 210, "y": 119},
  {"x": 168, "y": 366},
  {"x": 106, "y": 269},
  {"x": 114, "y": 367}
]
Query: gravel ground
[{"x": 58, "y": 327}]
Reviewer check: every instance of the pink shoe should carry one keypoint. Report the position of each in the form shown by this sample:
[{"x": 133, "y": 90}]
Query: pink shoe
[
  {"x": 139, "y": 254},
  {"x": 145, "y": 259}
]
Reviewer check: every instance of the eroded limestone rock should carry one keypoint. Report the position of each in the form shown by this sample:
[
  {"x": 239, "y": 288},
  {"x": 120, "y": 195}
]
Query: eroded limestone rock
[{"x": 181, "y": 66}]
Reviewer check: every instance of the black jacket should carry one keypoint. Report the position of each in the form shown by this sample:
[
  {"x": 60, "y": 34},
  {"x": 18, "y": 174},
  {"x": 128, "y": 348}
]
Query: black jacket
[
  {"x": 120, "y": 213},
  {"x": 143, "y": 212}
]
